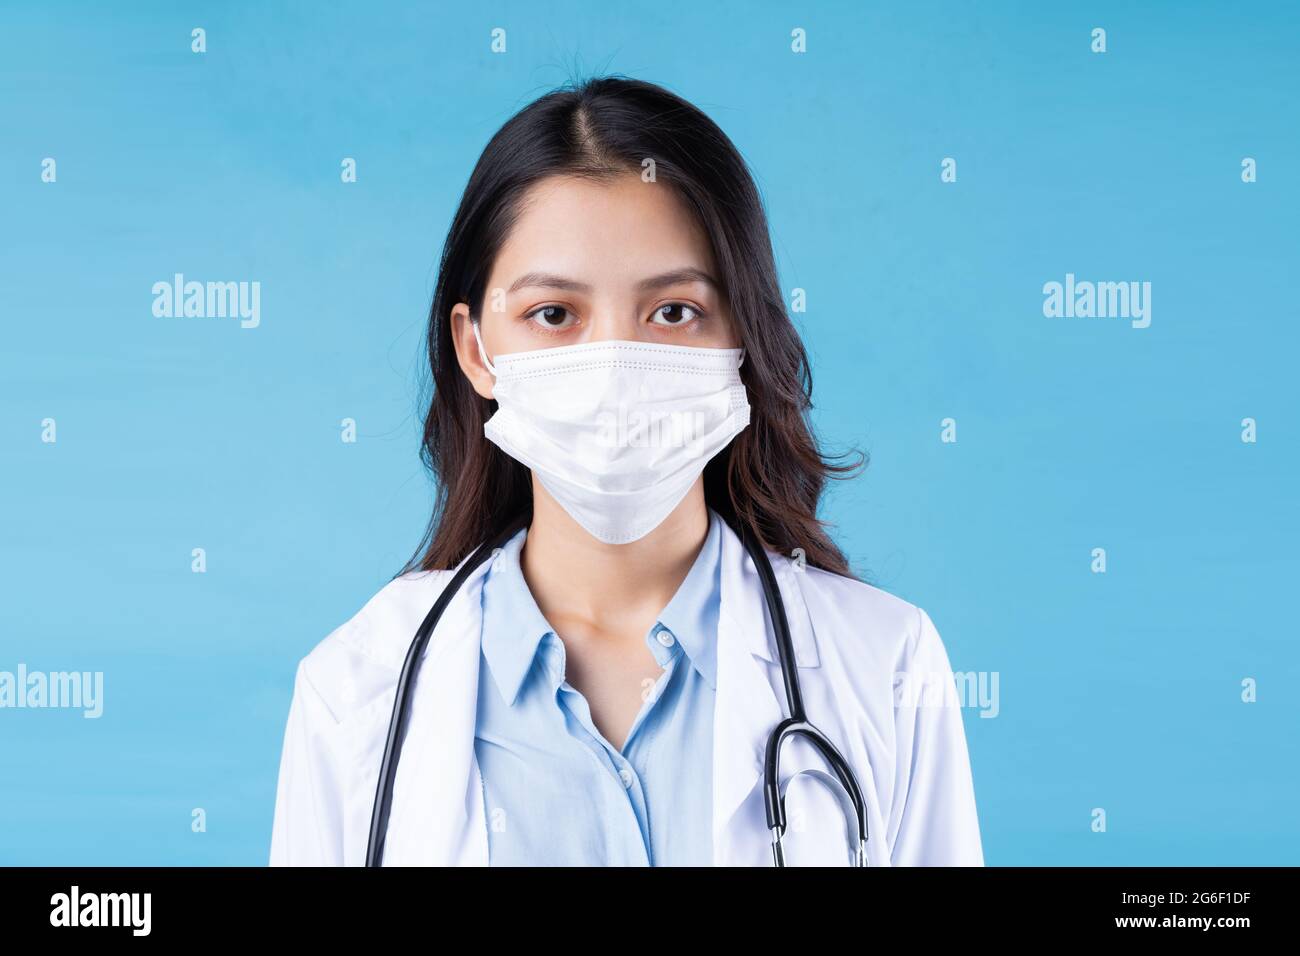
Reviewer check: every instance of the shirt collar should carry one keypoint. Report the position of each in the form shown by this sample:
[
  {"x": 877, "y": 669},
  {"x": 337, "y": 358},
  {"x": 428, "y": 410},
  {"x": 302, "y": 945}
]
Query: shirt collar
[
  {"x": 514, "y": 627},
  {"x": 513, "y": 624},
  {"x": 692, "y": 614}
]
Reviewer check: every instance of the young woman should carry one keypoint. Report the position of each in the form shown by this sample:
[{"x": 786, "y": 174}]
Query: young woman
[{"x": 620, "y": 405}]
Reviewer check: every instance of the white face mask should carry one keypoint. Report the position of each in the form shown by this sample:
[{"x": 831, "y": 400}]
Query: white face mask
[{"x": 617, "y": 432}]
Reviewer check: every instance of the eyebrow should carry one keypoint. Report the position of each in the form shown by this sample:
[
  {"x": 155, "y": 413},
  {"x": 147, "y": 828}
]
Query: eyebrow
[{"x": 549, "y": 280}]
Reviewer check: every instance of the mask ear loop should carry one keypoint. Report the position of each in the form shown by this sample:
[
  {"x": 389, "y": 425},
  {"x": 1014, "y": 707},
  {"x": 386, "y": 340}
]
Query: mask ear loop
[{"x": 482, "y": 354}]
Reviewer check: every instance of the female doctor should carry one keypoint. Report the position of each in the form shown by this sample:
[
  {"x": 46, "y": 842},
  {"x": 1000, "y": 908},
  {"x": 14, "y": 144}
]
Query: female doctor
[{"x": 615, "y": 374}]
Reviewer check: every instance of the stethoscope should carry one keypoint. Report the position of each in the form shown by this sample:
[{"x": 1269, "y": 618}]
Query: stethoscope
[{"x": 795, "y": 725}]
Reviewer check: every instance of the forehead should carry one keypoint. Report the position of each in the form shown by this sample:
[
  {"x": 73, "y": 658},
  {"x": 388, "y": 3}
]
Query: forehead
[{"x": 601, "y": 231}]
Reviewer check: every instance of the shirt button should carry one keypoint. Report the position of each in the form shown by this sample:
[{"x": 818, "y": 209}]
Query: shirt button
[
  {"x": 626, "y": 776},
  {"x": 665, "y": 638}
]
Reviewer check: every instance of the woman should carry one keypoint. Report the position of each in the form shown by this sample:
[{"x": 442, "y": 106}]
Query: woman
[{"x": 615, "y": 374}]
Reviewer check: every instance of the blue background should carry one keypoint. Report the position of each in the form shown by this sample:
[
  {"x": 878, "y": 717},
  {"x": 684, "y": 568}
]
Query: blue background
[{"x": 1119, "y": 691}]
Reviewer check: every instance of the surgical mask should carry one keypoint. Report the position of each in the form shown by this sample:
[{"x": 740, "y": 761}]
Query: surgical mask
[{"x": 617, "y": 432}]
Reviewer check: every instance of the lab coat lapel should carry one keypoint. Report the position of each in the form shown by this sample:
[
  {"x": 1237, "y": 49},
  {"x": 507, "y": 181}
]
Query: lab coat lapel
[
  {"x": 748, "y": 705},
  {"x": 437, "y": 815}
]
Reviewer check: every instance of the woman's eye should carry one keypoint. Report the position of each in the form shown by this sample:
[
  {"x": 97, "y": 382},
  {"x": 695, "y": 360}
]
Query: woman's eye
[
  {"x": 675, "y": 313},
  {"x": 550, "y": 316}
]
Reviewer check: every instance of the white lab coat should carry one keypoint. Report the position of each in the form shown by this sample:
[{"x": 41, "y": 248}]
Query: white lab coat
[{"x": 854, "y": 644}]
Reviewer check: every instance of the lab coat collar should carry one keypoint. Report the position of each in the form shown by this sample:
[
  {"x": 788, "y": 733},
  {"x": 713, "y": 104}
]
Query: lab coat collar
[
  {"x": 748, "y": 705},
  {"x": 432, "y": 823}
]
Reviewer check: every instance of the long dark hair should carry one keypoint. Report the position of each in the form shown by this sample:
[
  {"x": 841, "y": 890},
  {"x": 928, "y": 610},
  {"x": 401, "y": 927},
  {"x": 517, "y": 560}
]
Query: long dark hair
[{"x": 771, "y": 476}]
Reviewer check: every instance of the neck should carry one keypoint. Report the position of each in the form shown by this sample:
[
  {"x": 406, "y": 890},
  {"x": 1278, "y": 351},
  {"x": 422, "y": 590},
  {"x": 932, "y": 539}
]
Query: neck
[{"x": 609, "y": 588}]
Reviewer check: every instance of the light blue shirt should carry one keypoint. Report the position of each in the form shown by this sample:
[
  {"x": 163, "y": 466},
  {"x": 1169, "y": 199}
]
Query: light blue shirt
[{"x": 555, "y": 791}]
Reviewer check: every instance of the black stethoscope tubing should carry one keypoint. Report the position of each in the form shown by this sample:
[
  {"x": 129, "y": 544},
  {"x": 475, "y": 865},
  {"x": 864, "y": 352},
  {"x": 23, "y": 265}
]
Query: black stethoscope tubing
[{"x": 795, "y": 725}]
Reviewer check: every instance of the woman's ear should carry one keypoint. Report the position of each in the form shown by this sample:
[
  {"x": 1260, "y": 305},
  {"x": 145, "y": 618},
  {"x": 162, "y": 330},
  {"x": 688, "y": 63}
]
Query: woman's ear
[{"x": 462, "y": 336}]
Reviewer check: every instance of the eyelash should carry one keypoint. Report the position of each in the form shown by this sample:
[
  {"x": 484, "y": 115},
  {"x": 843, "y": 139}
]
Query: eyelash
[{"x": 700, "y": 315}]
